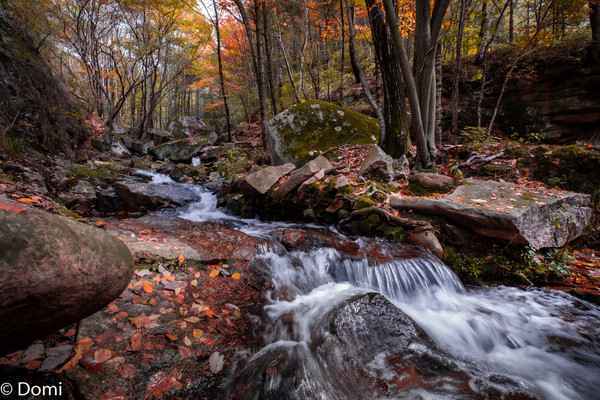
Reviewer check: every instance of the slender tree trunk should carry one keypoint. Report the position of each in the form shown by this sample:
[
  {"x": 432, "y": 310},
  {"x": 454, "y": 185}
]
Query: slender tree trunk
[
  {"x": 342, "y": 49},
  {"x": 395, "y": 133},
  {"x": 221, "y": 74},
  {"x": 511, "y": 22},
  {"x": 358, "y": 71},
  {"x": 256, "y": 62},
  {"x": 595, "y": 24},
  {"x": 438, "y": 95},
  {"x": 269, "y": 57},
  {"x": 458, "y": 64},
  {"x": 483, "y": 28},
  {"x": 287, "y": 64}
]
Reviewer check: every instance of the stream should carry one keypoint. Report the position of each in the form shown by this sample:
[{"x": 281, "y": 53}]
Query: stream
[{"x": 422, "y": 335}]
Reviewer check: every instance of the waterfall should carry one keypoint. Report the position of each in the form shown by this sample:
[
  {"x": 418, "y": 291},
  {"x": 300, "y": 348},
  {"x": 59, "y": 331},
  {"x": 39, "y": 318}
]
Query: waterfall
[{"x": 544, "y": 340}]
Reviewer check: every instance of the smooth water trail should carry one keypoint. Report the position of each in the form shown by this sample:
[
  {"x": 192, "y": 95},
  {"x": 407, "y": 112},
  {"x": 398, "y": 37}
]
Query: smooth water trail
[{"x": 545, "y": 340}]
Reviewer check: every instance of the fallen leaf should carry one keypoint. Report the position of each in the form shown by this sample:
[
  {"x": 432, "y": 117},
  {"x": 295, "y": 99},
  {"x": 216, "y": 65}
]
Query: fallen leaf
[
  {"x": 102, "y": 355},
  {"x": 216, "y": 362},
  {"x": 127, "y": 371},
  {"x": 214, "y": 273},
  {"x": 136, "y": 341},
  {"x": 236, "y": 276},
  {"x": 171, "y": 336},
  {"x": 185, "y": 352},
  {"x": 197, "y": 333},
  {"x": 100, "y": 223},
  {"x": 181, "y": 260},
  {"x": 148, "y": 287},
  {"x": 187, "y": 341}
]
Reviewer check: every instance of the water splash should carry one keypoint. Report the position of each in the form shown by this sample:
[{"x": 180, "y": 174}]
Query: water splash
[{"x": 499, "y": 330}]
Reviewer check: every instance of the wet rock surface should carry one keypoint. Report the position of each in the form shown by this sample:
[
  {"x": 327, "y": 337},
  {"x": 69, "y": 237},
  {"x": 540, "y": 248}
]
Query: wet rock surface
[
  {"x": 505, "y": 211},
  {"x": 143, "y": 196},
  {"x": 364, "y": 347}
]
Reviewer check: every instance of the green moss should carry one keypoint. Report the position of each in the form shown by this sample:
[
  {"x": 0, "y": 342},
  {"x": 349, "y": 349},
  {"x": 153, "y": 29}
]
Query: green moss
[
  {"x": 83, "y": 171},
  {"x": 394, "y": 233},
  {"x": 363, "y": 202},
  {"x": 313, "y": 127}
]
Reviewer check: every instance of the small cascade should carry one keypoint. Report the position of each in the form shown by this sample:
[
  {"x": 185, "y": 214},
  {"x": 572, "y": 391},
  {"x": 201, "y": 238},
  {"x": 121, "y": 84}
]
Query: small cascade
[{"x": 544, "y": 342}]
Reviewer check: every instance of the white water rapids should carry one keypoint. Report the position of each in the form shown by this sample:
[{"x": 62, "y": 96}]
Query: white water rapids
[{"x": 545, "y": 340}]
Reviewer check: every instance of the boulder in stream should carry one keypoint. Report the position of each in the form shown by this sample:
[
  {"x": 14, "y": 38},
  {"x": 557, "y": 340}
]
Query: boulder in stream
[
  {"x": 541, "y": 218},
  {"x": 53, "y": 272},
  {"x": 362, "y": 349},
  {"x": 147, "y": 196}
]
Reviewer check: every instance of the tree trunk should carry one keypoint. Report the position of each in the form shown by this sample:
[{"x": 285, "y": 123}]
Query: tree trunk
[
  {"x": 595, "y": 24},
  {"x": 458, "y": 64},
  {"x": 394, "y": 138},
  {"x": 342, "y": 49},
  {"x": 483, "y": 28},
  {"x": 221, "y": 75},
  {"x": 269, "y": 57},
  {"x": 358, "y": 71}
]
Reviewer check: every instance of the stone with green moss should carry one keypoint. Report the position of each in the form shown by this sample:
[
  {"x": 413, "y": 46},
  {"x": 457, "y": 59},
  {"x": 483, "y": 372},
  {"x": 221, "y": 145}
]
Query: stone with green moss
[{"x": 310, "y": 128}]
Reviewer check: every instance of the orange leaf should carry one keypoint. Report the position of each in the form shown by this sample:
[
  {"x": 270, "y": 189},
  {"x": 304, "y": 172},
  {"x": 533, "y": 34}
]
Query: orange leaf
[
  {"x": 197, "y": 333},
  {"x": 181, "y": 260},
  {"x": 172, "y": 337},
  {"x": 148, "y": 287},
  {"x": 236, "y": 276},
  {"x": 214, "y": 273}
]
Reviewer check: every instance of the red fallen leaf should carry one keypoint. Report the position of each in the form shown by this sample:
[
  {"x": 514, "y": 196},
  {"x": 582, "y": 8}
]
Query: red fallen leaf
[
  {"x": 161, "y": 383},
  {"x": 127, "y": 371},
  {"x": 15, "y": 209},
  {"x": 185, "y": 352},
  {"x": 102, "y": 355},
  {"x": 121, "y": 315},
  {"x": 112, "y": 308},
  {"x": 136, "y": 341},
  {"x": 100, "y": 223},
  {"x": 35, "y": 364}
]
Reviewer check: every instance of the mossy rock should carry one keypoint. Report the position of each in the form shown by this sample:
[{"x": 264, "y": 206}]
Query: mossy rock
[{"x": 310, "y": 128}]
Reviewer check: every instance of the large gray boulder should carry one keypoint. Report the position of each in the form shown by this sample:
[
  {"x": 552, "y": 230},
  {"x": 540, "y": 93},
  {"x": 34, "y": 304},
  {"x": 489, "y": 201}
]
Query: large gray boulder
[
  {"x": 148, "y": 196},
  {"x": 53, "y": 272},
  {"x": 359, "y": 350},
  {"x": 310, "y": 128},
  {"x": 264, "y": 179},
  {"x": 181, "y": 150},
  {"x": 539, "y": 218}
]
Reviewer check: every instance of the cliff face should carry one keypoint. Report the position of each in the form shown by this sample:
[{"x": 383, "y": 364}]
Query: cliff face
[
  {"x": 35, "y": 109},
  {"x": 554, "y": 92}
]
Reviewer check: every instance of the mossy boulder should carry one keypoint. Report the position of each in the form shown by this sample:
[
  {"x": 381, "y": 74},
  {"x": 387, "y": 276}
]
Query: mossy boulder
[{"x": 310, "y": 128}]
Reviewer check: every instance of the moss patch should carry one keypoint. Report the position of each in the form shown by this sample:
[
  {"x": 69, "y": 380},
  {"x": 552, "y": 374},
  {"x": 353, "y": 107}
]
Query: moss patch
[{"x": 313, "y": 127}]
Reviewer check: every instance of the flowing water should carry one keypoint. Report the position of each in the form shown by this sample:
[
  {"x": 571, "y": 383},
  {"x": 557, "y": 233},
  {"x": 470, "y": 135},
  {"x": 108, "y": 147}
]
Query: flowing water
[{"x": 545, "y": 341}]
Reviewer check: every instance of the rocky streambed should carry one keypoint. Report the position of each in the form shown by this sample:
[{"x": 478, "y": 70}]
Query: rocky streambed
[{"x": 240, "y": 308}]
